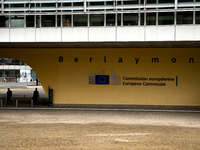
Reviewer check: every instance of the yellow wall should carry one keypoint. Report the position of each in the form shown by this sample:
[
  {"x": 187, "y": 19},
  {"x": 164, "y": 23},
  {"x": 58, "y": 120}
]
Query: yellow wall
[{"x": 70, "y": 79}]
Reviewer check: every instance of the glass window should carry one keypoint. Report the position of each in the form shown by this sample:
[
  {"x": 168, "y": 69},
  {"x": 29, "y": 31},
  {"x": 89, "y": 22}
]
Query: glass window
[
  {"x": 6, "y": 5},
  {"x": 197, "y": 17},
  {"x": 130, "y": 19},
  {"x": 151, "y": 1},
  {"x": 141, "y": 19},
  {"x": 165, "y": 18},
  {"x": 58, "y": 21},
  {"x": 110, "y": 19},
  {"x": 79, "y": 4},
  {"x": 48, "y": 21},
  {"x": 151, "y": 19},
  {"x": 16, "y": 5},
  {"x": 185, "y": 0},
  {"x": 66, "y": 20},
  {"x": 30, "y": 21},
  {"x": 119, "y": 19},
  {"x": 96, "y": 20},
  {"x": 17, "y": 21},
  {"x": 109, "y": 4},
  {"x": 4, "y": 21},
  {"x": 48, "y": 5},
  {"x": 66, "y": 5},
  {"x": 38, "y": 21},
  {"x": 166, "y": 1},
  {"x": 131, "y": 2},
  {"x": 96, "y": 3},
  {"x": 32, "y": 5},
  {"x": 80, "y": 20},
  {"x": 184, "y": 17}
]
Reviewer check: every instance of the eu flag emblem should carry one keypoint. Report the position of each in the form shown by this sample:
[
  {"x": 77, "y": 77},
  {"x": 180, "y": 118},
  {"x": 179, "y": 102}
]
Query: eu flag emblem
[{"x": 102, "y": 79}]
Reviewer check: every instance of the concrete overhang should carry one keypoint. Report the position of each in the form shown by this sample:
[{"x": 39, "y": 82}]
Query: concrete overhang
[{"x": 161, "y": 44}]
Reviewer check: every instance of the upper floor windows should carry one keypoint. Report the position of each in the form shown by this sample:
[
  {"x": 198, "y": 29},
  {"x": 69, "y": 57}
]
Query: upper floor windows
[{"x": 90, "y": 20}]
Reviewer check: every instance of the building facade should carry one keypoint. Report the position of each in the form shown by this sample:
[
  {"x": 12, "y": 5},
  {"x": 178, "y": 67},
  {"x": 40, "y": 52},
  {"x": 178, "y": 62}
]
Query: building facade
[{"x": 130, "y": 52}]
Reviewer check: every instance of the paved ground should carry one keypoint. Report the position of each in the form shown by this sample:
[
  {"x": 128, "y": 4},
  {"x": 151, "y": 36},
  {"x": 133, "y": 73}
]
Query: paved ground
[{"x": 123, "y": 130}]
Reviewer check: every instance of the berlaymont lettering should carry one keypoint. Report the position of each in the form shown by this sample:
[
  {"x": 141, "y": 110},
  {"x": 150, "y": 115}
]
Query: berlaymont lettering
[{"x": 120, "y": 60}]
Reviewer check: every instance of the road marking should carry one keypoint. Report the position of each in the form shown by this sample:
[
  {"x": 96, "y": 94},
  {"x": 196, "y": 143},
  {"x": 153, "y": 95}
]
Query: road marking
[
  {"x": 128, "y": 134},
  {"x": 122, "y": 140}
]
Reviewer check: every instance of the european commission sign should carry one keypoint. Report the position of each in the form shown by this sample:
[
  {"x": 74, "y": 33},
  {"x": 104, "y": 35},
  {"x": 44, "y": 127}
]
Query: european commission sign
[{"x": 102, "y": 79}]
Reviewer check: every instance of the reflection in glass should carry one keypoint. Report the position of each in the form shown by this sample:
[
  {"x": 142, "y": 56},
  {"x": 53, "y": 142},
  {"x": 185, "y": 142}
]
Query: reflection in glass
[
  {"x": 66, "y": 20},
  {"x": 151, "y": 19},
  {"x": 80, "y": 20},
  {"x": 151, "y": 1},
  {"x": 142, "y": 19},
  {"x": 166, "y": 18},
  {"x": 118, "y": 19},
  {"x": 17, "y": 21},
  {"x": 130, "y": 19},
  {"x": 197, "y": 17},
  {"x": 184, "y": 17},
  {"x": 96, "y": 20},
  {"x": 110, "y": 19},
  {"x": 48, "y": 21},
  {"x": 58, "y": 21},
  {"x": 29, "y": 21},
  {"x": 4, "y": 21},
  {"x": 166, "y": 1},
  {"x": 38, "y": 21}
]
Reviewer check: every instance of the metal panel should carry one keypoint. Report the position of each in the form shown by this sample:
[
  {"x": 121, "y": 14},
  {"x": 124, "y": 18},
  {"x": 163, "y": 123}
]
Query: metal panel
[
  {"x": 191, "y": 4},
  {"x": 130, "y": 34},
  {"x": 4, "y": 32},
  {"x": 99, "y": 7},
  {"x": 22, "y": 35},
  {"x": 42, "y": 8},
  {"x": 102, "y": 34},
  {"x": 16, "y": 9},
  {"x": 160, "y": 33},
  {"x": 48, "y": 34},
  {"x": 78, "y": 34},
  {"x": 69, "y": 1},
  {"x": 98, "y": 0},
  {"x": 15, "y": 2},
  {"x": 71, "y": 8},
  {"x": 187, "y": 33},
  {"x": 164, "y": 5},
  {"x": 44, "y": 1},
  {"x": 129, "y": 6}
]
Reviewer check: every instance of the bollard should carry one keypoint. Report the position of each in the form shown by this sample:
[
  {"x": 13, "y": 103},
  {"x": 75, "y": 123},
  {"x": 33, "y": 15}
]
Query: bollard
[
  {"x": 31, "y": 103},
  {"x": 16, "y": 102},
  {"x": 1, "y": 102}
]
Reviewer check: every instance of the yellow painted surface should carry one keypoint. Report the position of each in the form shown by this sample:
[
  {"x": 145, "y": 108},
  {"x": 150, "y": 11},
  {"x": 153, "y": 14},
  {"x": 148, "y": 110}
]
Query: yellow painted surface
[{"x": 70, "y": 79}]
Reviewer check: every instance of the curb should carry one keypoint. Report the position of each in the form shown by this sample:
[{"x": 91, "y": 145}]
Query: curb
[{"x": 96, "y": 109}]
